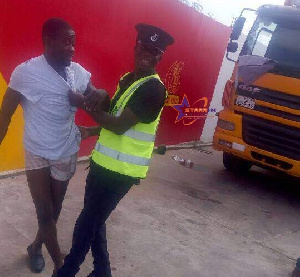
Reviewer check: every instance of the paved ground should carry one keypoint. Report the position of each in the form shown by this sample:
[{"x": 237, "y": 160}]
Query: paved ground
[{"x": 180, "y": 222}]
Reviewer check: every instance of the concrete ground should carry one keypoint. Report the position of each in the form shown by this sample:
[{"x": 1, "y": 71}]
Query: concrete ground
[{"x": 179, "y": 222}]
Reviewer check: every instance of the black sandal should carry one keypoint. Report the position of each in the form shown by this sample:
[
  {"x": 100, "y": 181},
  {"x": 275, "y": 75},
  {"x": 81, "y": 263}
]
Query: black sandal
[{"x": 36, "y": 261}]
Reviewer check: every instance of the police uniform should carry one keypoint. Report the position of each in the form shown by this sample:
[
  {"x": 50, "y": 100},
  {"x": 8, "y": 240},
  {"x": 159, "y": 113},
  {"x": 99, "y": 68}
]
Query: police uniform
[{"x": 119, "y": 161}]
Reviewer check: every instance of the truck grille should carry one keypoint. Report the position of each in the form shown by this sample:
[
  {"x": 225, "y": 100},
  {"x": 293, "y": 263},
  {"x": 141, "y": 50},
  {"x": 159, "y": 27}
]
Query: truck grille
[
  {"x": 272, "y": 136},
  {"x": 278, "y": 113},
  {"x": 271, "y": 96}
]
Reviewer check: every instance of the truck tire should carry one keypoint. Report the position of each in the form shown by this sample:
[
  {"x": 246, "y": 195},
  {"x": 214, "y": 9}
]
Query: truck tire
[{"x": 235, "y": 164}]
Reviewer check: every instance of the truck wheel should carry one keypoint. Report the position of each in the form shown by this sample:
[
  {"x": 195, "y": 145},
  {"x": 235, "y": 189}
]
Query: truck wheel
[{"x": 235, "y": 164}]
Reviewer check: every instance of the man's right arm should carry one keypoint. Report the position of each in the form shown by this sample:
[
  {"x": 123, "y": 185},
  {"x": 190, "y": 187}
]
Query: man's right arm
[{"x": 11, "y": 100}]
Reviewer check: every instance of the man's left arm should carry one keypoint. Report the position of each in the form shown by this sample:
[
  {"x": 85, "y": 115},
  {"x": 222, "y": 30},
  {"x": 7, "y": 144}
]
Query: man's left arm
[{"x": 97, "y": 98}]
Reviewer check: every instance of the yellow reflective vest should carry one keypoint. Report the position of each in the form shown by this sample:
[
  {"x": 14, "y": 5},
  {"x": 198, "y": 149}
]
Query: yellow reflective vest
[{"x": 128, "y": 154}]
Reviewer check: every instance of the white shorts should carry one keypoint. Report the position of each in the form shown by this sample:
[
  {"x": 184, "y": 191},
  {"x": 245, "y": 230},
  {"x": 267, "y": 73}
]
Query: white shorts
[{"x": 61, "y": 170}]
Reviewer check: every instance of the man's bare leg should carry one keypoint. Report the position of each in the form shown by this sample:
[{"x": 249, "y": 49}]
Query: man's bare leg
[
  {"x": 39, "y": 182},
  {"x": 58, "y": 192}
]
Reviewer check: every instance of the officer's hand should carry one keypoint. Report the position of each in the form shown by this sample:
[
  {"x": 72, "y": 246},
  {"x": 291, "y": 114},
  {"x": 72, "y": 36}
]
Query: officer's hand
[
  {"x": 97, "y": 100},
  {"x": 85, "y": 132}
]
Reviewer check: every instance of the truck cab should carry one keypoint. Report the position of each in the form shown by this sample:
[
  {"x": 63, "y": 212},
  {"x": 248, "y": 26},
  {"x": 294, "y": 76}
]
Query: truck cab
[{"x": 260, "y": 121}]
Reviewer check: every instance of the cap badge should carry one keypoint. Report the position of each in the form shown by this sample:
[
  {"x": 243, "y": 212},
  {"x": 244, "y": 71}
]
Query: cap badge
[{"x": 154, "y": 37}]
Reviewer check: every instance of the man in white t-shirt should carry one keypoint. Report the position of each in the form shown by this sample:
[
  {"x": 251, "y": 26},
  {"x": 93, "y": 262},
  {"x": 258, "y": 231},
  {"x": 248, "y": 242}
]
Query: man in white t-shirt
[{"x": 42, "y": 86}]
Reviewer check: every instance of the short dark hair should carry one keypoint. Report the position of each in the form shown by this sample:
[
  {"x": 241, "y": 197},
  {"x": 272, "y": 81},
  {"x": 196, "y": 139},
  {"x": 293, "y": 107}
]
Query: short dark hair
[{"x": 53, "y": 26}]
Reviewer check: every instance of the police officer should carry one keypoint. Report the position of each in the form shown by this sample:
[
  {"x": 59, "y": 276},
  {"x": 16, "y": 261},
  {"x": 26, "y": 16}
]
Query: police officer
[{"x": 123, "y": 151}]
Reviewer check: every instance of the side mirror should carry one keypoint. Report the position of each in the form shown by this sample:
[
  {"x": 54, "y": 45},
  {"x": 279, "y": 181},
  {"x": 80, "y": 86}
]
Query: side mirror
[
  {"x": 237, "y": 28},
  {"x": 232, "y": 47}
]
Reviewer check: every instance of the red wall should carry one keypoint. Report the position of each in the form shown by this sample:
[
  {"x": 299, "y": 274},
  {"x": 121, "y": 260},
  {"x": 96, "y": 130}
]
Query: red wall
[{"x": 105, "y": 40}]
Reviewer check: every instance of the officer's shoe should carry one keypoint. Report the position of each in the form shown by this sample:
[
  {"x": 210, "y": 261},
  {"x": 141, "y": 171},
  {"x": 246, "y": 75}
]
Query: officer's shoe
[{"x": 296, "y": 273}]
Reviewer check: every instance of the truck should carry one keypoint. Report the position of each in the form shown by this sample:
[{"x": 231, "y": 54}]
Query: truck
[{"x": 260, "y": 120}]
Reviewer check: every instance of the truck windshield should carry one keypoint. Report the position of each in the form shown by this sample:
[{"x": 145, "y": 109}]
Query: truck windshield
[{"x": 278, "y": 40}]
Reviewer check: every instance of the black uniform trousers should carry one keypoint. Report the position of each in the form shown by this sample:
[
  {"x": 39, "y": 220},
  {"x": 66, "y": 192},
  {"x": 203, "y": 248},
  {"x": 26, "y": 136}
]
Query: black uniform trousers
[{"x": 102, "y": 194}]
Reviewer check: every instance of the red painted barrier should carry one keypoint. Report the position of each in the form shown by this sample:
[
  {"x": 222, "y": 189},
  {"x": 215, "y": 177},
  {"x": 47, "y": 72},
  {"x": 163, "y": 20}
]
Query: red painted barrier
[{"x": 105, "y": 40}]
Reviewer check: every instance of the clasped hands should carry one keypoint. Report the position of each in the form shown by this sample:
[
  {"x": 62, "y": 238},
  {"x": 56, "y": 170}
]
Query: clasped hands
[{"x": 95, "y": 101}]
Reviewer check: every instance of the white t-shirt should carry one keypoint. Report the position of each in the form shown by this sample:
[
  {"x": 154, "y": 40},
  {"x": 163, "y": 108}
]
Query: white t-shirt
[{"x": 50, "y": 131}]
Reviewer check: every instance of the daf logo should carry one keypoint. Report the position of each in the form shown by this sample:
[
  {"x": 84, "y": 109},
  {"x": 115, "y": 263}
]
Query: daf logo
[
  {"x": 154, "y": 37},
  {"x": 248, "y": 88}
]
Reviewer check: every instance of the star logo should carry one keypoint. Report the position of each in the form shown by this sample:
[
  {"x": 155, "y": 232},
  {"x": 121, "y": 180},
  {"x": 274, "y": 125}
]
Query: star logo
[
  {"x": 186, "y": 113},
  {"x": 191, "y": 114},
  {"x": 181, "y": 108}
]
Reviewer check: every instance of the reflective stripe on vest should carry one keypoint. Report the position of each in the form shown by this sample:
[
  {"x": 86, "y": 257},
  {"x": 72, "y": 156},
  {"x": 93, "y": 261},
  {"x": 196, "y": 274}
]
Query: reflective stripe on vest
[
  {"x": 140, "y": 135},
  {"x": 121, "y": 156}
]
